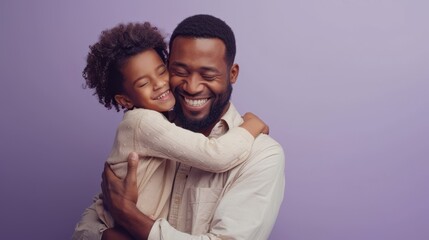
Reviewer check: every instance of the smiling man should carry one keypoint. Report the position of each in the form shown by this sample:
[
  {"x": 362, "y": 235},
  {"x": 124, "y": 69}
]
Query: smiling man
[
  {"x": 241, "y": 203},
  {"x": 201, "y": 81}
]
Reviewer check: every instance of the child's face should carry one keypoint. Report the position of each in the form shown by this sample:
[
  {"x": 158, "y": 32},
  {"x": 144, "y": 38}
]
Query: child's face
[{"x": 146, "y": 83}]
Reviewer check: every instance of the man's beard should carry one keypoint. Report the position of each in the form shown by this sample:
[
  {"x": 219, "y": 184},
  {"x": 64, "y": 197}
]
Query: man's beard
[{"x": 216, "y": 111}]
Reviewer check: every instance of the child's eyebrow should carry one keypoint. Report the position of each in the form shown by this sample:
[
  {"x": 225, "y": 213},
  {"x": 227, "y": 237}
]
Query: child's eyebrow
[
  {"x": 139, "y": 78},
  {"x": 162, "y": 65},
  {"x": 143, "y": 76}
]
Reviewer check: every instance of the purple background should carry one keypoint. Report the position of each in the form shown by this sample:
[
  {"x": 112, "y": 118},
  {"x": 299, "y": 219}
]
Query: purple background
[{"x": 343, "y": 85}]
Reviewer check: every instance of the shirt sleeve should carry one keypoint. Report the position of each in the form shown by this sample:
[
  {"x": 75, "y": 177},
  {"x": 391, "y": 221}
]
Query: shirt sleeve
[
  {"x": 248, "y": 209},
  {"x": 160, "y": 138}
]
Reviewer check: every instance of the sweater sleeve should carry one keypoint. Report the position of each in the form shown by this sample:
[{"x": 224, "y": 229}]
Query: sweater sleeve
[{"x": 160, "y": 138}]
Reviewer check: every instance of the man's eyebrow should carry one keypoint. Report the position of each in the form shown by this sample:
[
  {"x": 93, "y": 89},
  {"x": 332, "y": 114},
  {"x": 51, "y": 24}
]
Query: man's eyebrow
[
  {"x": 210, "y": 69},
  {"x": 178, "y": 64},
  {"x": 202, "y": 69}
]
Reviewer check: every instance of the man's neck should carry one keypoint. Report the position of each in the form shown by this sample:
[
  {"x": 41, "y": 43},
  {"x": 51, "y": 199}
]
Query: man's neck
[{"x": 206, "y": 132}]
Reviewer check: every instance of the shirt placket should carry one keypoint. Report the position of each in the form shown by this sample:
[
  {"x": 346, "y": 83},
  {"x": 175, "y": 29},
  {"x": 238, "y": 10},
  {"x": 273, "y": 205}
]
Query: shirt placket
[{"x": 178, "y": 190}]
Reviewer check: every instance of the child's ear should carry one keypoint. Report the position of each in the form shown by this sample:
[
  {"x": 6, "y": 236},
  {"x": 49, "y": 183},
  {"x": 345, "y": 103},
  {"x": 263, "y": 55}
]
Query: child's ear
[{"x": 124, "y": 101}]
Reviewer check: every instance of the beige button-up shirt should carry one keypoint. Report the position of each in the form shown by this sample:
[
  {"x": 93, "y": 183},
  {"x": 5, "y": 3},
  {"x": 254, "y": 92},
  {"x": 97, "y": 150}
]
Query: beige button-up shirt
[
  {"x": 159, "y": 145},
  {"x": 242, "y": 203}
]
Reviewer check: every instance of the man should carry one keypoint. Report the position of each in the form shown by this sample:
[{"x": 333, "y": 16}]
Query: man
[{"x": 242, "y": 203}]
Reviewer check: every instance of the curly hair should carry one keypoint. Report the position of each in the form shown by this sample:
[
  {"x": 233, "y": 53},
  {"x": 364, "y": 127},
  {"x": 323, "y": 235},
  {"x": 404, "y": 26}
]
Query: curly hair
[
  {"x": 207, "y": 26},
  {"x": 106, "y": 58}
]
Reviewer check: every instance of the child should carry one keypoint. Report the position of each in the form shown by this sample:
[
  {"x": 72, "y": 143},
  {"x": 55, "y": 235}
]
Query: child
[{"x": 127, "y": 70}]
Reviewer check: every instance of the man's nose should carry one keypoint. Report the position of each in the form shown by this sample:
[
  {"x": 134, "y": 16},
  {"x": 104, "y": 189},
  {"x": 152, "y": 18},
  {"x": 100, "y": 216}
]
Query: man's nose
[{"x": 192, "y": 84}]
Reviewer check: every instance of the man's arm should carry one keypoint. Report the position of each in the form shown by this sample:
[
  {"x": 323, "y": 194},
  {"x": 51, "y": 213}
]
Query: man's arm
[
  {"x": 120, "y": 198},
  {"x": 116, "y": 233}
]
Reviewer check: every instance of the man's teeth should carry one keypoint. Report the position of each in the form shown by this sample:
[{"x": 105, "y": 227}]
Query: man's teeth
[
  {"x": 163, "y": 95},
  {"x": 196, "y": 103}
]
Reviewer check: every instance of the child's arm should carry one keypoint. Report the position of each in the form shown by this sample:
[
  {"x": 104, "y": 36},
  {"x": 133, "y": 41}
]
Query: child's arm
[{"x": 159, "y": 138}]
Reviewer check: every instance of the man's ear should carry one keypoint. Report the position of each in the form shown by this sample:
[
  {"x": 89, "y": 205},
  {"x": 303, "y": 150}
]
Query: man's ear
[
  {"x": 124, "y": 101},
  {"x": 233, "y": 73}
]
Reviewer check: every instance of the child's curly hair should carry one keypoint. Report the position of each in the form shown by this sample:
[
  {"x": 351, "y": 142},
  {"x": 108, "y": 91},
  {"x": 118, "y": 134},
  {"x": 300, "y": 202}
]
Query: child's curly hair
[{"x": 115, "y": 46}]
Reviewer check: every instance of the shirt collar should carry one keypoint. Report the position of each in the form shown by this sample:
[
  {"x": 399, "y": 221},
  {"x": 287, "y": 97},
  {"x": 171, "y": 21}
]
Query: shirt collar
[{"x": 231, "y": 118}]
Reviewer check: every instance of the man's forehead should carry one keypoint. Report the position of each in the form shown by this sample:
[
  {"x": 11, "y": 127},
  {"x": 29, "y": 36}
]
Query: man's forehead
[
  {"x": 198, "y": 51},
  {"x": 197, "y": 44}
]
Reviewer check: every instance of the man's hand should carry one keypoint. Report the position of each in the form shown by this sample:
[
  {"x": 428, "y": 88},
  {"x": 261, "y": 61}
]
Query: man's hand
[
  {"x": 120, "y": 195},
  {"x": 116, "y": 234},
  {"x": 120, "y": 198}
]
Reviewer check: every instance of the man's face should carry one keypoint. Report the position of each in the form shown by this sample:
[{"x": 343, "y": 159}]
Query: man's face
[{"x": 200, "y": 81}]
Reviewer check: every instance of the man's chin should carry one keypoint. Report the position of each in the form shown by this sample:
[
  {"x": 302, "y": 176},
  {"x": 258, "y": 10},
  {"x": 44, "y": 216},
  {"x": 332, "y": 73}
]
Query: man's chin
[
  {"x": 195, "y": 117},
  {"x": 200, "y": 121},
  {"x": 194, "y": 124}
]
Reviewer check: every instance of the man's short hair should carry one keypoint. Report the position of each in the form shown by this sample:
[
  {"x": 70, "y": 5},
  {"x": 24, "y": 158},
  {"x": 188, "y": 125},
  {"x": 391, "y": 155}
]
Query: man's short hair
[{"x": 207, "y": 26}]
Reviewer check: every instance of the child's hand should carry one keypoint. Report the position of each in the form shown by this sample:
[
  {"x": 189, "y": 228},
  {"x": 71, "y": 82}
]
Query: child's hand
[
  {"x": 247, "y": 116},
  {"x": 253, "y": 123}
]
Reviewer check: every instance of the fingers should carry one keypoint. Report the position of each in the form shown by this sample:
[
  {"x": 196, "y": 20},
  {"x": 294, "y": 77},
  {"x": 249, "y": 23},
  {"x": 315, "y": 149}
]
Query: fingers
[
  {"x": 104, "y": 196},
  {"x": 108, "y": 172},
  {"x": 266, "y": 130},
  {"x": 103, "y": 179},
  {"x": 114, "y": 187},
  {"x": 131, "y": 177},
  {"x": 248, "y": 116}
]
